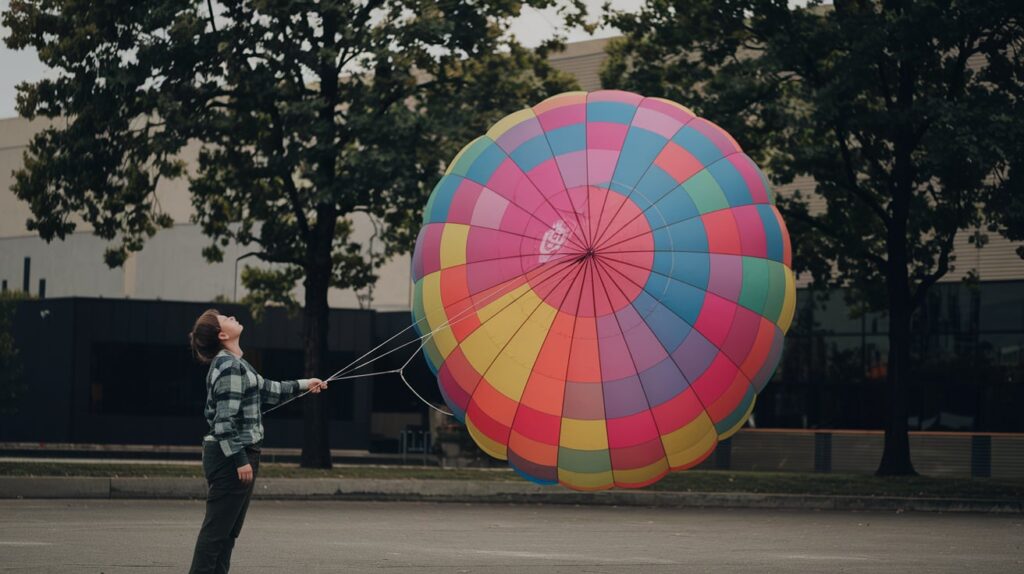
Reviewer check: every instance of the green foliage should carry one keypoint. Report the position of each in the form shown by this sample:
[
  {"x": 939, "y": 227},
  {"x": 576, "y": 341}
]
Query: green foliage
[
  {"x": 304, "y": 112},
  {"x": 906, "y": 142},
  {"x": 874, "y": 100},
  {"x": 12, "y": 387},
  {"x": 271, "y": 287}
]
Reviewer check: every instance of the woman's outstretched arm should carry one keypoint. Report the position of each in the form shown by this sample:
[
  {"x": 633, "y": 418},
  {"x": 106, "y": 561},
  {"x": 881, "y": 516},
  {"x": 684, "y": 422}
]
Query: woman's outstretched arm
[{"x": 274, "y": 392}]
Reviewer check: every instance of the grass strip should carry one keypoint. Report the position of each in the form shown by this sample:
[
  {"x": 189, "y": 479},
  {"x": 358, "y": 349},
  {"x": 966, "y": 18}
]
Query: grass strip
[{"x": 689, "y": 481}]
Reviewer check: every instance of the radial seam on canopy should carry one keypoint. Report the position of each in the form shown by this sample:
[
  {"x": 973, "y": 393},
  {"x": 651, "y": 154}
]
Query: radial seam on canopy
[
  {"x": 444, "y": 224},
  {"x": 636, "y": 370},
  {"x": 555, "y": 273},
  {"x": 739, "y": 370},
  {"x": 558, "y": 168},
  {"x": 602, "y": 235},
  {"x": 483, "y": 184},
  {"x": 604, "y": 201},
  {"x": 533, "y": 183},
  {"x": 565, "y": 379},
  {"x": 667, "y": 194},
  {"x": 520, "y": 402},
  {"x": 483, "y": 374},
  {"x": 604, "y": 410},
  {"x": 698, "y": 287}
]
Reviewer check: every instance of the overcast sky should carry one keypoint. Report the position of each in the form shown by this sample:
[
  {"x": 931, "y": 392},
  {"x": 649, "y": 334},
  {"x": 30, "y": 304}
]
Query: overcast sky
[{"x": 531, "y": 28}]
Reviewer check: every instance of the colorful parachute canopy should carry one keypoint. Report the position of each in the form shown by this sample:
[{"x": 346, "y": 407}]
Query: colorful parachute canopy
[{"x": 608, "y": 283}]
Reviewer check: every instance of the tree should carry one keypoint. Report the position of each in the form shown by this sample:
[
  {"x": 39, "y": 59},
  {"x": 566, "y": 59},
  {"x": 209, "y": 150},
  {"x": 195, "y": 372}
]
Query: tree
[
  {"x": 876, "y": 100},
  {"x": 306, "y": 112}
]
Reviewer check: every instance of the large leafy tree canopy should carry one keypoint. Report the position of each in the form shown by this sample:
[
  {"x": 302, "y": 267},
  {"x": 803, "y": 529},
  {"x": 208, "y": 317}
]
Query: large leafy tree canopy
[
  {"x": 306, "y": 112},
  {"x": 874, "y": 100},
  {"x": 906, "y": 114}
]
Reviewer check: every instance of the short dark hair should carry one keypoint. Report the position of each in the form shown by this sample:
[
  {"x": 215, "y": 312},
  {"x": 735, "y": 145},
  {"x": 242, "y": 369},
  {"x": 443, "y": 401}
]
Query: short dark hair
[{"x": 204, "y": 336}]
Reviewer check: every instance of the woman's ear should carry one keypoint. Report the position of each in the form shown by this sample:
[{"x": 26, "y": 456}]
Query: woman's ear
[{"x": 222, "y": 336}]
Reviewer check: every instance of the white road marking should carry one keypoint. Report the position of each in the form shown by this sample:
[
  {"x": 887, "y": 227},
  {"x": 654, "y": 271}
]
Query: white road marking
[
  {"x": 564, "y": 556},
  {"x": 825, "y": 557}
]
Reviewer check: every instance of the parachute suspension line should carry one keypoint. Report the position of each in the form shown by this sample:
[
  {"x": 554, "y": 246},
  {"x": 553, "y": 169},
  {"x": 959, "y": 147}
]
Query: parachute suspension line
[
  {"x": 344, "y": 372},
  {"x": 458, "y": 317}
]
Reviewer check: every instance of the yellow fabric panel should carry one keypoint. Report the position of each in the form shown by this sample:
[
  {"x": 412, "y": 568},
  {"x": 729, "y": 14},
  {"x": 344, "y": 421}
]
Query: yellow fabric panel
[
  {"x": 640, "y": 475},
  {"x": 495, "y": 449},
  {"x": 584, "y": 435},
  {"x": 443, "y": 338},
  {"x": 497, "y": 305},
  {"x": 686, "y": 445},
  {"x": 453, "y": 245},
  {"x": 789, "y": 305},
  {"x": 508, "y": 122},
  {"x": 563, "y": 99},
  {"x": 511, "y": 369},
  {"x": 586, "y": 480},
  {"x": 497, "y": 326}
]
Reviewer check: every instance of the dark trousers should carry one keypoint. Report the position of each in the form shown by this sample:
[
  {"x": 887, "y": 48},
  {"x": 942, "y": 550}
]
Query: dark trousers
[{"x": 226, "y": 504}]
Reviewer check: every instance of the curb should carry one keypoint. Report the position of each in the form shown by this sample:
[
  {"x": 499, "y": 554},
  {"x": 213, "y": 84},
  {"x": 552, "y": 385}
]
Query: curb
[{"x": 476, "y": 491}]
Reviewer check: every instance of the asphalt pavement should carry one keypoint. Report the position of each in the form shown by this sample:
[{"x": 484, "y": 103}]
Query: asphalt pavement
[{"x": 114, "y": 536}]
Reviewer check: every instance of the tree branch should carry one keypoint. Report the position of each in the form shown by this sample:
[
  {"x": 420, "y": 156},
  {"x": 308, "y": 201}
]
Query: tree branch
[
  {"x": 275, "y": 256},
  {"x": 358, "y": 23},
  {"x": 884, "y": 85},
  {"x": 813, "y": 222},
  {"x": 922, "y": 288},
  {"x": 209, "y": 6},
  {"x": 851, "y": 176},
  {"x": 289, "y": 183}
]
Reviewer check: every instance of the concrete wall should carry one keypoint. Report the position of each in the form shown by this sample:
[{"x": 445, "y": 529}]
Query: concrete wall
[{"x": 940, "y": 454}]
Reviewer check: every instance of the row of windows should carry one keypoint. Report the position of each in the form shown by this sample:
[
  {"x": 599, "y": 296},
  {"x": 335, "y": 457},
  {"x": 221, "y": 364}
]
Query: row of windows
[{"x": 967, "y": 351}]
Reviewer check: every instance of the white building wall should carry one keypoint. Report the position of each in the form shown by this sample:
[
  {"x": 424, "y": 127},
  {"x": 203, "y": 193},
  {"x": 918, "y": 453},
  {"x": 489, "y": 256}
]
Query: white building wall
[
  {"x": 169, "y": 267},
  {"x": 63, "y": 264}
]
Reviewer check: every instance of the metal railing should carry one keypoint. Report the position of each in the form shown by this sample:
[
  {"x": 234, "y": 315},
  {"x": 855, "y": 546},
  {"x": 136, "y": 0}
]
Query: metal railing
[{"x": 414, "y": 441}]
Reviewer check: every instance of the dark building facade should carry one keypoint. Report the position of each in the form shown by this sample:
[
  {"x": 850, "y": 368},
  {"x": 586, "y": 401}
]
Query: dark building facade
[
  {"x": 120, "y": 371},
  {"x": 968, "y": 363}
]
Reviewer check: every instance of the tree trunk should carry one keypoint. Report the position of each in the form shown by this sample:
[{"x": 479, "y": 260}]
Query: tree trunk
[
  {"x": 316, "y": 451},
  {"x": 896, "y": 453}
]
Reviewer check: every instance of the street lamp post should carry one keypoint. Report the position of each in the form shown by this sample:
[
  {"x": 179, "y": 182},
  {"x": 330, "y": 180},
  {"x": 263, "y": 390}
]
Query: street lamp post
[{"x": 234, "y": 298}]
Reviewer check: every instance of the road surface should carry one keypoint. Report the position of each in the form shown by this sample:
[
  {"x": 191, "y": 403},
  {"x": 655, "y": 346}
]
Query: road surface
[{"x": 115, "y": 536}]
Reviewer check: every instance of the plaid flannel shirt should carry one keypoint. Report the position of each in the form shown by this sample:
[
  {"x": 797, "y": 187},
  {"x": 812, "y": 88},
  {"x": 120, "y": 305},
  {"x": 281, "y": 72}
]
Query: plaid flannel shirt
[{"x": 235, "y": 393}]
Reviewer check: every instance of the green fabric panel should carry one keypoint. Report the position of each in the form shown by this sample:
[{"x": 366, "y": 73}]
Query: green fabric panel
[
  {"x": 755, "y": 284},
  {"x": 776, "y": 291},
  {"x": 466, "y": 161},
  {"x": 734, "y": 417},
  {"x": 707, "y": 195},
  {"x": 584, "y": 460}
]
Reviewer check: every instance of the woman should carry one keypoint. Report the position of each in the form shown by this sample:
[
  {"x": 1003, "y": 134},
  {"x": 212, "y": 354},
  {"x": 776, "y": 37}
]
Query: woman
[{"x": 235, "y": 394}]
